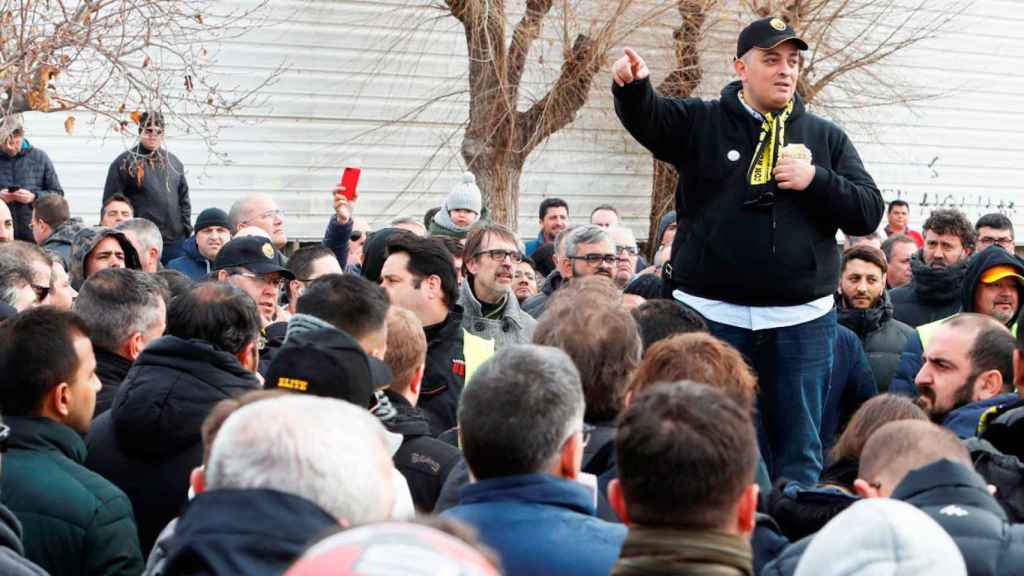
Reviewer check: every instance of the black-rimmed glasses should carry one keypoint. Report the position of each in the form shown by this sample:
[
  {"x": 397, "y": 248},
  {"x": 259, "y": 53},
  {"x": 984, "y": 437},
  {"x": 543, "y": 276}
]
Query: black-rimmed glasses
[
  {"x": 499, "y": 255},
  {"x": 595, "y": 259}
]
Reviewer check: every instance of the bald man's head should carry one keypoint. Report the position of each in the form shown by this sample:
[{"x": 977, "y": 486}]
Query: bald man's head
[
  {"x": 898, "y": 448},
  {"x": 261, "y": 211}
]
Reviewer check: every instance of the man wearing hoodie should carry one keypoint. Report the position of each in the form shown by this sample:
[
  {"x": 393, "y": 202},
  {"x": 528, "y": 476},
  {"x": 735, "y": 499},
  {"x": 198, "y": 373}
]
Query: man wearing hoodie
[
  {"x": 765, "y": 186},
  {"x": 26, "y": 173},
  {"x": 461, "y": 209},
  {"x": 52, "y": 226},
  {"x": 154, "y": 181},
  {"x": 490, "y": 307},
  {"x": 199, "y": 252},
  {"x": 149, "y": 441},
  {"x": 938, "y": 271},
  {"x": 97, "y": 248},
  {"x": 863, "y": 305},
  {"x": 993, "y": 285}
]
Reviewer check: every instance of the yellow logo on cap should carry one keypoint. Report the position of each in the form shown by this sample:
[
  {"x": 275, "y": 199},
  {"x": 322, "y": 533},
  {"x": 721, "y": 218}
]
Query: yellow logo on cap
[
  {"x": 778, "y": 24},
  {"x": 293, "y": 384},
  {"x": 268, "y": 250}
]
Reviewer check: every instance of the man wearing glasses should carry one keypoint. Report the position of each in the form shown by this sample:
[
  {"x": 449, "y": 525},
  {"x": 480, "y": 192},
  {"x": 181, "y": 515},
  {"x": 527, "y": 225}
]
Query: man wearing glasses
[
  {"x": 248, "y": 263},
  {"x": 764, "y": 186},
  {"x": 154, "y": 181},
  {"x": 489, "y": 306},
  {"x": 627, "y": 252},
  {"x": 994, "y": 229},
  {"x": 589, "y": 251}
]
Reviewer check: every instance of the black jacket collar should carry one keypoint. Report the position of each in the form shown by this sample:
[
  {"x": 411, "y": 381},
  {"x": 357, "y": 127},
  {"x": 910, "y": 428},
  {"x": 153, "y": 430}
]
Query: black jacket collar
[
  {"x": 36, "y": 433},
  {"x": 864, "y": 322},
  {"x": 943, "y": 483}
]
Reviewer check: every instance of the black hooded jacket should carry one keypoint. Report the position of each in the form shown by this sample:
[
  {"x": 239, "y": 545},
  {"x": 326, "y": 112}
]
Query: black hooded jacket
[
  {"x": 111, "y": 369},
  {"x": 149, "y": 441},
  {"x": 253, "y": 532},
  {"x": 933, "y": 294},
  {"x": 883, "y": 336},
  {"x": 785, "y": 254},
  {"x": 424, "y": 460}
]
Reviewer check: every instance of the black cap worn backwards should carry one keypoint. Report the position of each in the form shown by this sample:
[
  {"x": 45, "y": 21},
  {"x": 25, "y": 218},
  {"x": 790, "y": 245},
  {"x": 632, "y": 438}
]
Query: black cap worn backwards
[
  {"x": 253, "y": 253},
  {"x": 330, "y": 363},
  {"x": 765, "y": 34}
]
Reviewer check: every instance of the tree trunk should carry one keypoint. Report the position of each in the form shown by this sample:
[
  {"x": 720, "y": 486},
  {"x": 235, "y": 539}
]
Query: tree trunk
[{"x": 498, "y": 180}]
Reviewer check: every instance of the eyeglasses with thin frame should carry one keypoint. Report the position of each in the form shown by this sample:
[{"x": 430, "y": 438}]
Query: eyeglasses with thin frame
[
  {"x": 41, "y": 292},
  {"x": 279, "y": 281},
  {"x": 267, "y": 214},
  {"x": 1004, "y": 242},
  {"x": 499, "y": 255},
  {"x": 631, "y": 250},
  {"x": 596, "y": 259}
]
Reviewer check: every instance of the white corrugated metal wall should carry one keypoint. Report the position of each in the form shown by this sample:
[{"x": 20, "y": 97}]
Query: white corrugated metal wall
[{"x": 359, "y": 74}]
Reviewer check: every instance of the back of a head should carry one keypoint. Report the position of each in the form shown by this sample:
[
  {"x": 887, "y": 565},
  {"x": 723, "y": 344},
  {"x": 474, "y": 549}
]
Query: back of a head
[
  {"x": 992, "y": 348},
  {"x": 871, "y": 416},
  {"x": 225, "y": 408},
  {"x": 118, "y": 302},
  {"x": 698, "y": 357},
  {"x": 517, "y": 411},
  {"x": 37, "y": 352},
  {"x": 177, "y": 283},
  {"x": 905, "y": 445},
  {"x": 348, "y": 302},
  {"x": 685, "y": 453},
  {"x": 52, "y": 209},
  {"x": 146, "y": 233},
  {"x": 882, "y": 537},
  {"x": 407, "y": 347},
  {"x": 218, "y": 313},
  {"x": 327, "y": 451},
  {"x": 659, "y": 319},
  {"x": 601, "y": 338}
]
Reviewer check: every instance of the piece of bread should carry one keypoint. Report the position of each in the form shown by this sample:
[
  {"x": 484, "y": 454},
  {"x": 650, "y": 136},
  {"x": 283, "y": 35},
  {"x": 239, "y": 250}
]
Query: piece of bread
[{"x": 796, "y": 151}]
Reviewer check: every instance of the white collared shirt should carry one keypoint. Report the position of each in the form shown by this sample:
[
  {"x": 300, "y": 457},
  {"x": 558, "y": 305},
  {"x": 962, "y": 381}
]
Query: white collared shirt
[{"x": 756, "y": 317}]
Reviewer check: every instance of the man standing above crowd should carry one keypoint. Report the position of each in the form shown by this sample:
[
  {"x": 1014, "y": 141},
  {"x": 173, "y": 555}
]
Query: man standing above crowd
[
  {"x": 154, "y": 181},
  {"x": 199, "y": 252},
  {"x": 765, "y": 185},
  {"x": 899, "y": 214},
  {"x": 490, "y": 308},
  {"x": 937, "y": 270},
  {"x": 26, "y": 173},
  {"x": 863, "y": 306},
  {"x": 554, "y": 217}
]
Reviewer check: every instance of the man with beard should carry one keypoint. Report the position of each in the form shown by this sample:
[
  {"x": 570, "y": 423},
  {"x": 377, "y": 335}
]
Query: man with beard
[
  {"x": 490, "y": 308},
  {"x": 589, "y": 251},
  {"x": 938, "y": 270},
  {"x": 863, "y": 306},
  {"x": 993, "y": 285},
  {"x": 968, "y": 369}
]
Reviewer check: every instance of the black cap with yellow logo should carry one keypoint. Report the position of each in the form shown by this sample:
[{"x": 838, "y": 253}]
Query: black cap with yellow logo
[
  {"x": 765, "y": 34},
  {"x": 253, "y": 253}
]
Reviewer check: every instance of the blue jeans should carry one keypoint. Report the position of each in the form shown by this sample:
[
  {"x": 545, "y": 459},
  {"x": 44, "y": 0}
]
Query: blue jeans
[{"x": 793, "y": 366}]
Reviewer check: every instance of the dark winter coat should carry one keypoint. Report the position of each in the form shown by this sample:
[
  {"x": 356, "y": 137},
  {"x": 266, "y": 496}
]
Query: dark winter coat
[
  {"x": 444, "y": 375},
  {"x": 536, "y": 305},
  {"x": 883, "y": 336},
  {"x": 74, "y": 521},
  {"x": 1000, "y": 466},
  {"x": 850, "y": 385},
  {"x": 964, "y": 420},
  {"x": 424, "y": 460},
  {"x": 191, "y": 263},
  {"x": 781, "y": 255},
  {"x": 32, "y": 170},
  {"x": 933, "y": 294},
  {"x": 111, "y": 369},
  {"x": 155, "y": 184},
  {"x": 12, "y": 553},
  {"x": 251, "y": 532},
  {"x": 149, "y": 441},
  {"x": 60, "y": 241},
  {"x": 86, "y": 240},
  {"x": 540, "y": 524}
]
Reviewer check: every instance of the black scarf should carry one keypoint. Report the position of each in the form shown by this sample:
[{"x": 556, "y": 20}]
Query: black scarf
[{"x": 937, "y": 285}]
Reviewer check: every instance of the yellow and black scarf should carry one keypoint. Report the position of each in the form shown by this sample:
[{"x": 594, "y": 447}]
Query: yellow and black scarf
[{"x": 769, "y": 143}]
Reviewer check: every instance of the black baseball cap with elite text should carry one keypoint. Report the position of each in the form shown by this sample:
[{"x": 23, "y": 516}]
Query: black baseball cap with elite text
[{"x": 767, "y": 33}]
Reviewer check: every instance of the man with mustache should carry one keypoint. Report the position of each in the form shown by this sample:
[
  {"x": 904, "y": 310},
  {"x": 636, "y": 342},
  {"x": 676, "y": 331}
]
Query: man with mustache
[
  {"x": 938, "y": 270},
  {"x": 993, "y": 285},
  {"x": 968, "y": 369},
  {"x": 588, "y": 251}
]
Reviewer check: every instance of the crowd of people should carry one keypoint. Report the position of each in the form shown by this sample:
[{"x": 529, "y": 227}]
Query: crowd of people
[{"x": 201, "y": 396}]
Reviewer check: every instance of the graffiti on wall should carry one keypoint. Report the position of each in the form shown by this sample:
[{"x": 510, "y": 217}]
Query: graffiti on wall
[{"x": 974, "y": 205}]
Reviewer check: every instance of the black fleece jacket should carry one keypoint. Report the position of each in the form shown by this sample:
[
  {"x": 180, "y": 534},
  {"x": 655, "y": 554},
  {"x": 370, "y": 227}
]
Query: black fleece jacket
[{"x": 777, "y": 256}]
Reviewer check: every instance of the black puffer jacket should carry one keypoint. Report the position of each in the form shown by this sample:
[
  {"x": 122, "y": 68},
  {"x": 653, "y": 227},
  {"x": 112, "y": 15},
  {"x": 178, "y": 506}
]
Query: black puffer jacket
[
  {"x": 32, "y": 170},
  {"x": 445, "y": 373},
  {"x": 424, "y": 460},
  {"x": 149, "y": 441},
  {"x": 883, "y": 336},
  {"x": 155, "y": 183},
  {"x": 933, "y": 294}
]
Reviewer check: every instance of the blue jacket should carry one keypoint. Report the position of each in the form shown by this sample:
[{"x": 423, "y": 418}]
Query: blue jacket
[
  {"x": 540, "y": 525},
  {"x": 192, "y": 263},
  {"x": 964, "y": 420},
  {"x": 532, "y": 245},
  {"x": 851, "y": 384}
]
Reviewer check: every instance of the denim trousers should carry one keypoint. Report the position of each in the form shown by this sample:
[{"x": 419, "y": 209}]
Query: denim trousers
[{"x": 793, "y": 366}]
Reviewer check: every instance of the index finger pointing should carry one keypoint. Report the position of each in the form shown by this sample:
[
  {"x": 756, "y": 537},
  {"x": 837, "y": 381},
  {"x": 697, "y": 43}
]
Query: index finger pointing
[{"x": 632, "y": 55}]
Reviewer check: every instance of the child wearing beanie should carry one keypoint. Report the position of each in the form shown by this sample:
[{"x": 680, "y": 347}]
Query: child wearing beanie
[{"x": 461, "y": 209}]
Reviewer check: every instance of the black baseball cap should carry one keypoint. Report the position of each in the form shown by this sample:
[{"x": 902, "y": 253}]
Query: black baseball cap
[
  {"x": 330, "y": 363},
  {"x": 253, "y": 253},
  {"x": 765, "y": 34}
]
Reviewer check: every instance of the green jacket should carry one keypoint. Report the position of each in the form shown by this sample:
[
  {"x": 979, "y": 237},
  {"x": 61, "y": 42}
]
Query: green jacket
[{"x": 74, "y": 521}]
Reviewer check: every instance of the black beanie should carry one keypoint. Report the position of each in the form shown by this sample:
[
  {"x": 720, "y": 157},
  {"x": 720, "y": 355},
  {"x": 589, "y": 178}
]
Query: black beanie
[{"x": 212, "y": 217}]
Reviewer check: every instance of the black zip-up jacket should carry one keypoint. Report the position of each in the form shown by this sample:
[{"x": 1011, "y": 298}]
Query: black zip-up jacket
[
  {"x": 883, "y": 336},
  {"x": 444, "y": 375},
  {"x": 111, "y": 369},
  {"x": 156, "y": 185},
  {"x": 424, "y": 460},
  {"x": 778, "y": 256},
  {"x": 149, "y": 441}
]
